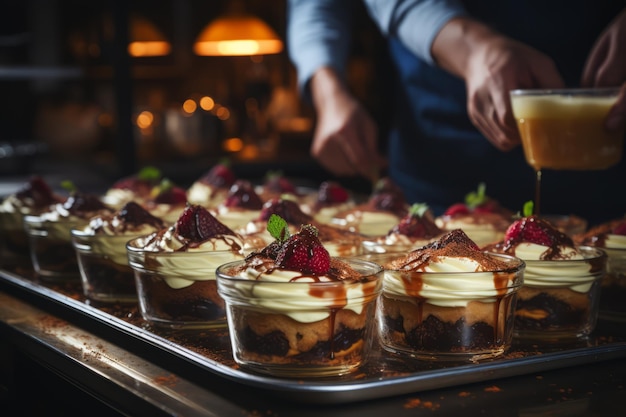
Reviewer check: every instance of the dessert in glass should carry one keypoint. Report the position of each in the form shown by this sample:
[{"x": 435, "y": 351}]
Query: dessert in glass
[
  {"x": 211, "y": 188},
  {"x": 295, "y": 311},
  {"x": 276, "y": 185},
  {"x": 101, "y": 250},
  {"x": 570, "y": 224},
  {"x": 137, "y": 188},
  {"x": 166, "y": 201},
  {"x": 32, "y": 198},
  {"x": 50, "y": 239},
  {"x": 413, "y": 231},
  {"x": 610, "y": 237},
  {"x": 241, "y": 205},
  {"x": 384, "y": 208},
  {"x": 564, "y": 129},
  {"x": 338, "y": 241},
  {"x": 175, "y": 270},
  {"x": 560, "y": 296},
  {"x": 449, "y": 301},
  {"x": 481, "y": 217},
  {"x": 330, "y": 199}
]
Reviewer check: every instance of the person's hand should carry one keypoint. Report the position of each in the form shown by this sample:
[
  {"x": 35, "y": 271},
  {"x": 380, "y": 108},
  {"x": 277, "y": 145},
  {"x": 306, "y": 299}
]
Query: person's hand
[
  {"x": 492, "y": 65},
  {"x": 345, "y": 141},
  {"x": 606, "y": 67}
]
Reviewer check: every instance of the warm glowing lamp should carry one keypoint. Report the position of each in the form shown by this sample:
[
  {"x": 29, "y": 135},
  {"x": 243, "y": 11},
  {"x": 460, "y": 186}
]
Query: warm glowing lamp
[
  {"x": 146, "y": 39},
  {"x": 237, "y": 35}
]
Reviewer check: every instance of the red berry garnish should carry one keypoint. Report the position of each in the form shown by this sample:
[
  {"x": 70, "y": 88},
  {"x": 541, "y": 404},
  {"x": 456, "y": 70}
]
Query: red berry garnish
[
  {"x": 532, "y": 229},
  {"x": 81, "y": 202},
  {"x": 620, "y": 229},
  {"x": 276, "y": 182},
  {"x": 38, "y": 193},
  {"x": 387, "y": 196},
  {"x": 132, "y": 213},
  {"x": 332, "y": 192},
  {"x": 242, "y": 194},
  {"x": 458, "y": 209},
  {"x": 142, "y": 183},
  {"x": 287, "y": 209},
  {"x": 418, "y": 223},
  {"x": 304, "y": 252},
  {"x": 197, "y": 225},
  {"x": 221, "y": 176},
  {"x": 168, "y": 193}
]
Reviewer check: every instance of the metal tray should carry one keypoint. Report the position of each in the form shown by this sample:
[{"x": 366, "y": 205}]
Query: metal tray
[{"x": 205, "y": 356}]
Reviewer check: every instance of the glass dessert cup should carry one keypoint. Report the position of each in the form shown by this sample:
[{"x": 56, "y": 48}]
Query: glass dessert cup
[
  {"x": 443, "y": 323},
  {"x": 301, "y": 329},
  {"x": 560, "y": 298},
  {"x": 104, "y": 270},
  {"x": 613, "y": 287},
  {"x": 51, "y": 250},
  {"x": 14, "y": 247},
  {"x": 178, "y": 290},
  {"x": 571, "y": 225}
]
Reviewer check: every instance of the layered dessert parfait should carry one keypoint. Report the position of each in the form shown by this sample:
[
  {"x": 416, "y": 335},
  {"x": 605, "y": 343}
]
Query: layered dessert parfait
[
  {"x": 33, "y": 198},
  {"x": 137, "y": 188},
  {"x": 449, "y": 301},
  {"x": 385, "y": 207},
  {"x": 166, "y": 201},
  {"x": 276, "y": 185},
  {"x": 295, "y": 311},
  {"x": 570, "y": 224},
  {"x": 241, "y": 205},
  {"x": 610, "y": 237},
  {"x": 331, "y": 198},
  {"x": 413, "y": 231},
  {"x": 481, "y": 217},
  {"x": 560, "y": 296},
  {"x": 50, "y": 239},
  {"x": 337, "y": 241},
  {"x": 101, "y": 250},
  {"x": 175, "y": 270},
  {"x": 211, "y": 188}
]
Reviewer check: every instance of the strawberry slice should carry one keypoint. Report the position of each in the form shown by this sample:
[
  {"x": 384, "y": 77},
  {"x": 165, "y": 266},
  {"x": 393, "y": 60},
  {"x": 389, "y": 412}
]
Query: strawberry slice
[
  {"x": 37, "y": 193},
  {"x": 532, "y": 229},
  {"x": 168, "y": 193},
  {"x": 197, "y": 225},
  {"x": 220, "y": 176},
  {"x": 242, "y": 194},
  {"x": 332, "y": 192},
  {"x": 141, "y": 183},
  {"x": 133, "y": 213},
  {"x": 458, "y": 209},
  {"x": 304, "y": 252},
  {"x": 276, "y": 182},
  {"x": 287, "y": 209},
  {"x": 620, "y": 229},
  {"x": 418, "y": 223}
]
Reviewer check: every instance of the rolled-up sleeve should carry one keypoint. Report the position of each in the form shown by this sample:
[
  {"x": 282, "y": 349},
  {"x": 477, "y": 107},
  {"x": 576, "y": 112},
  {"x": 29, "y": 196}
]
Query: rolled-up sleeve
[
  {"x": 318, "y": 35},
  {"x": 415, "y": 23}
]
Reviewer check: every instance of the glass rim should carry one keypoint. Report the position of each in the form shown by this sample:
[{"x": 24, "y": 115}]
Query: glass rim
[
  {"x": 596, "y": 253},
  {"x": 602, "y": 91}
]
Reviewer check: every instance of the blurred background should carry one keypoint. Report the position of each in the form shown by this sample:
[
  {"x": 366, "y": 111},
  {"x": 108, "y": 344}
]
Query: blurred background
[{"x": 113, "y": 86}]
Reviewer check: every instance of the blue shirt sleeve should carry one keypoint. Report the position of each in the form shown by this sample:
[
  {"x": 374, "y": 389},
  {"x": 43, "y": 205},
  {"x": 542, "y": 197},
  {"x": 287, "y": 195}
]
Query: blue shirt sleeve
[
  {"x": 318, "y": 35},
  {"x": 414, "y": 22}
]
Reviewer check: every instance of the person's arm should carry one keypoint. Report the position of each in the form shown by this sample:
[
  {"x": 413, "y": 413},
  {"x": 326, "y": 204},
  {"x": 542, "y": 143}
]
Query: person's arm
[
  {"x": 606, "y": 67},
  {"x": 345, "y": 137},
  {"x": 443, "y": 34}
]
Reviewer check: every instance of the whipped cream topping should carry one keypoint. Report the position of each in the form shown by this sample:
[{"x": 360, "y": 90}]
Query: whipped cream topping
[
  {"x": 305, "y": 299},
  {"x": 367, "y": 223},
  {"x": 451, "y": 272},
  {"x": 206, "y": 195},
  {"x": 482, "y": 228},
  {"x": 180, "y": 264},
  {"x": 59, "y": 222}
]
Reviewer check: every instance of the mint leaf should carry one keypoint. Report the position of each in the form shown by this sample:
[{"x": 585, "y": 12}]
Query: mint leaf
[
  {"x": 528, "y": 208},
  {"x": 476, "y": 198},
  {"x": 418, "y": 209},
  {"x": 278, "y": 227},
  {"x": 149, "y": 173},
  {"x": 69, "y": 186}
]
